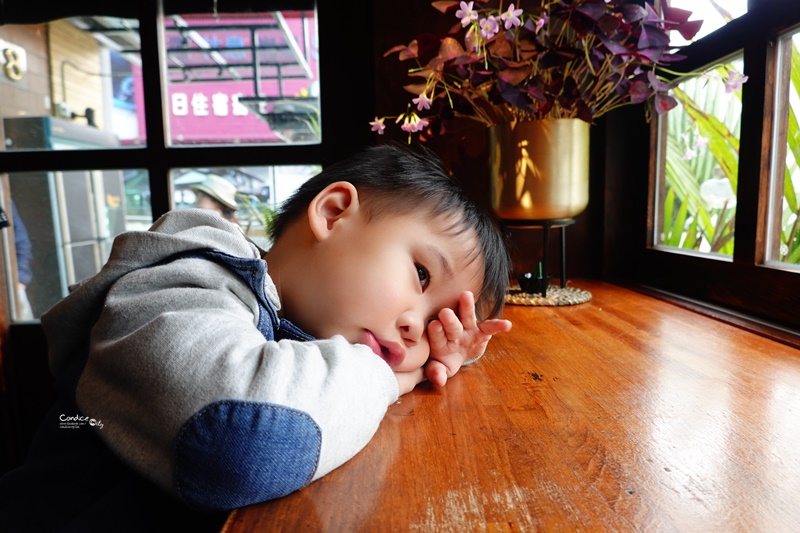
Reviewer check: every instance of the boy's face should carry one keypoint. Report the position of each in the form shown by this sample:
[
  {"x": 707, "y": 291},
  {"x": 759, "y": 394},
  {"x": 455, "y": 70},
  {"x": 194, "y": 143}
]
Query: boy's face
[{"x": 380, "y": 282}]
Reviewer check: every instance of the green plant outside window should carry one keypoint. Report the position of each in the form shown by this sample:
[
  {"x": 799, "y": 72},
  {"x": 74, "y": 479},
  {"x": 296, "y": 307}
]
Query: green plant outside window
[
  {"x": 784, "y": 233},
  {"x": 699, "y": 164}
]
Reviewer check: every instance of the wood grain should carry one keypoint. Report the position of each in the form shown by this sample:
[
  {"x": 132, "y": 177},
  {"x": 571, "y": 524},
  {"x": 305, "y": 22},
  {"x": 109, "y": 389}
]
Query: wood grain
[{"x": 623, "y": 414}]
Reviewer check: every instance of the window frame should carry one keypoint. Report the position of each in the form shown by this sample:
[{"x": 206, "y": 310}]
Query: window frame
[
  {"x": 745, "y": 288},
  {"x": 344, "y": 127}
]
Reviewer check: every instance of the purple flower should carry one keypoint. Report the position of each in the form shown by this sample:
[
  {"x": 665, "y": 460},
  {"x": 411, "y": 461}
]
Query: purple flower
[
  {"x": 541, "y": 22},
  {"x": 734, "y": 81},
  {"x": 501, "y": 60},
  {"x": 688, "y": 154},
  {"x": 489, "y": 27},
  {"x": 422, "y": 101},
  {"x": 466, "y": 14},
  {"x": 378, "y": 125},
  {"x": 511, "y": 17}
]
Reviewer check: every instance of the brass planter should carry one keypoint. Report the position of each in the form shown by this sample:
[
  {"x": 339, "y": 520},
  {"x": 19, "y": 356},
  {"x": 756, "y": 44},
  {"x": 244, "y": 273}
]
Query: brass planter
[{"x": 539, "y": 169}]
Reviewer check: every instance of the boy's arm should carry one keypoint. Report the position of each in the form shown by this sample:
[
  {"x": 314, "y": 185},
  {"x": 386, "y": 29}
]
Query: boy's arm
[
  {"x": 408, "y": 380},
  {"x": 456, "y": 339},
  {"x": 196, "y": 399}
]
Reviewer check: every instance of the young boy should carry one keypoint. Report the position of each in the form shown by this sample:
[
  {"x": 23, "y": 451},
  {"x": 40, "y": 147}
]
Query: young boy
[{"x": 225, "y": 384}]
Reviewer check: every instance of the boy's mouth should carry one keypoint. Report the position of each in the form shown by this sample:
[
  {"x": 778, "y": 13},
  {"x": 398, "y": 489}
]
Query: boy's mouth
[{"x": 390, "y": 352}]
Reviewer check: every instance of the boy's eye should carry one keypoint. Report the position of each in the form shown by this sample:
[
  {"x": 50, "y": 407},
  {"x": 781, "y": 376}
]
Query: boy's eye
[{"x": 424, "y": 277}]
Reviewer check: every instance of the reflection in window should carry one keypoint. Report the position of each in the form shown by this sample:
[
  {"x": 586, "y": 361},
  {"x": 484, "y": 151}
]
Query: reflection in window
[
  {"x": 242, "y": 78},
  {"x": 69, "y": 84},
  {"x": 784, "y": 218},
  {"x": 248, "y": 196},
  {"x": 698, "y": 163},
  {"x": 62, "y": 224},
  {"x": 714, "y": 14}
]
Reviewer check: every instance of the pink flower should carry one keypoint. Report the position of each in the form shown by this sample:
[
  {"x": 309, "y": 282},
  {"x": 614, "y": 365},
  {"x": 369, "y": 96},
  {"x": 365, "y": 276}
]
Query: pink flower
[
  {"x": 511, "y": 17},
  {"x": 688, "y": 154},
  {"x": 378, "y": 125},
  {"x": 541, "y": 22},
  {"x": 466, "y": 14},
  {"x": 412, "y": 123},
  {"x": 422, "y": 101},
  {"x": 734, "y": 81},
  {"x": 700, "y": 142},
  {"x": 489, "y": 27}
]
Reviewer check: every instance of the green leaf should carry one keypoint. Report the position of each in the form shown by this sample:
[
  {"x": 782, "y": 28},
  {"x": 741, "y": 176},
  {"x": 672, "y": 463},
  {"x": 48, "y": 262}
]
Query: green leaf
[
  {"x": 691, "y": 241},
  {"x": 722, "y": 142},
  {"x": 669, "y": 204}
]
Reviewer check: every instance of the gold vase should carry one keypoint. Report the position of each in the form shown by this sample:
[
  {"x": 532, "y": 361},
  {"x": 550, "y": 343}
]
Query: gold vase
[{"x": 539, "y": 169}]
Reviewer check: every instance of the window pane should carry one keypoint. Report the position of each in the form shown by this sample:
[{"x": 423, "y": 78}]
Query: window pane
[
  {"x": 783, "y": 225},
  {"x": 61, "y": 228},
  {"x": 69, "y": 84},
  {"x": 698, "y": 165},
  {"x": 245, "y": 195},
  {"x": 243, "y": 78},
  {"x": 714, "y": 14}
]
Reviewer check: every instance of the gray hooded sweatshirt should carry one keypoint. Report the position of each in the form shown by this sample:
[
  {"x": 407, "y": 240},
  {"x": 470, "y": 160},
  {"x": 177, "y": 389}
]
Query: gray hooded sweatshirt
[{"x": 178, "y": 361}]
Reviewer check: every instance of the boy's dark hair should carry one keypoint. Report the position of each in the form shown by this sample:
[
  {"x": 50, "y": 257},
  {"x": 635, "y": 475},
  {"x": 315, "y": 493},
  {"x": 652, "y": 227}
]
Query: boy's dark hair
[{"x": 395, "y": 179}]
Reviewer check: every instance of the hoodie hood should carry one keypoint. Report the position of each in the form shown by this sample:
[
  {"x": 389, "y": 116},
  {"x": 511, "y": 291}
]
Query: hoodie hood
[{"x": 68, "y": 323}]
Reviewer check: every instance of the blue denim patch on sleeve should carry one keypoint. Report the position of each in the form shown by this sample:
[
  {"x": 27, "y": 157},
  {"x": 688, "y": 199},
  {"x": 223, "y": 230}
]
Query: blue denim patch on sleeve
[{"x": 235, "y": 453}]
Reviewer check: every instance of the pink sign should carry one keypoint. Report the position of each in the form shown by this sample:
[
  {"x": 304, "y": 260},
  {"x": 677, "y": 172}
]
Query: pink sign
[{"x": 203, "y": 103}]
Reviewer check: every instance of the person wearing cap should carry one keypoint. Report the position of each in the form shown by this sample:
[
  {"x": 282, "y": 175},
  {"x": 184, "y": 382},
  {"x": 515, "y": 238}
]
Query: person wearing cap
[{"x": 218, "y": 194}]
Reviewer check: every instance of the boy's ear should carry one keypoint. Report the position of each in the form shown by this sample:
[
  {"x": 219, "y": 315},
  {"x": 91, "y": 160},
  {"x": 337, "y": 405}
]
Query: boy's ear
[{"x": 335, "y": 202}]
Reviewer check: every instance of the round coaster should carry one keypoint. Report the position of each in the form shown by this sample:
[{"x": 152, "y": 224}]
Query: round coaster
[{"x": 555, "y": 296}]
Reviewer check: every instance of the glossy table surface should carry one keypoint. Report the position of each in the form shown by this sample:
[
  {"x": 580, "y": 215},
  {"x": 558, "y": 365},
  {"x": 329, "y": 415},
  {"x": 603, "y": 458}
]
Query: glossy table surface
[{"x": 626, "y": 413}]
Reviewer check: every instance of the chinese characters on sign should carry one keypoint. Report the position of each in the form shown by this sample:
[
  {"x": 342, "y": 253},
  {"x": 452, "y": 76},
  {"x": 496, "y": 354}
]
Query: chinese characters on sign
[{"x": 199, "y": 105}]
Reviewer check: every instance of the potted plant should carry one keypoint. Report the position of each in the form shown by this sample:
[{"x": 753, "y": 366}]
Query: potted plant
[{"x": 538, "y": 73}]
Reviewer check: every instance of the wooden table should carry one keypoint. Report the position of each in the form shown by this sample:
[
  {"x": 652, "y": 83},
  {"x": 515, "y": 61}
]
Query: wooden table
[{"x": 626, "y": 413}]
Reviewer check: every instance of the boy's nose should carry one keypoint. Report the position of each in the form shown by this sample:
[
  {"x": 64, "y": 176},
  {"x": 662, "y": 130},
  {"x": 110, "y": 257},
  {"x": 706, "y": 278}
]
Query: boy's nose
[{"x": 412, "y": 326}]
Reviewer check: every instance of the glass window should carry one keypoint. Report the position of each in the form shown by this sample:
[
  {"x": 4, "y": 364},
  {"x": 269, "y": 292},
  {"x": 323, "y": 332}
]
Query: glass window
[
  {"x": 60, "y": 228},
  {"x": 714, "y": 14},
  {"x": 249, "y": 79},
  {"x": 70, "y": 84},
  {"x": 783, "y": 224},
  {"x": 698, "y": 164},
  {"x": 248, "y": 196},
  {"x": 239, "y": 78}
]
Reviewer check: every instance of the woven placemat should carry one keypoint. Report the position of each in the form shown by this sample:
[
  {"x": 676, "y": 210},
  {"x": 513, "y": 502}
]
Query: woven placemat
[{"x": 555, "y": 296}]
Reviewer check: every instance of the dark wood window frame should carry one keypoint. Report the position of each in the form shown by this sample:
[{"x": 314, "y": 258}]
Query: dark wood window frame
[
  {"x": 344, "y": 116},
  {"x": 743, "y": 290}
]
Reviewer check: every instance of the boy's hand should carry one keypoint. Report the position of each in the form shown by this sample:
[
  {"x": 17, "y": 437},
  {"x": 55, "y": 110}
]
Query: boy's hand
[{"x": 455, "y": 339}]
